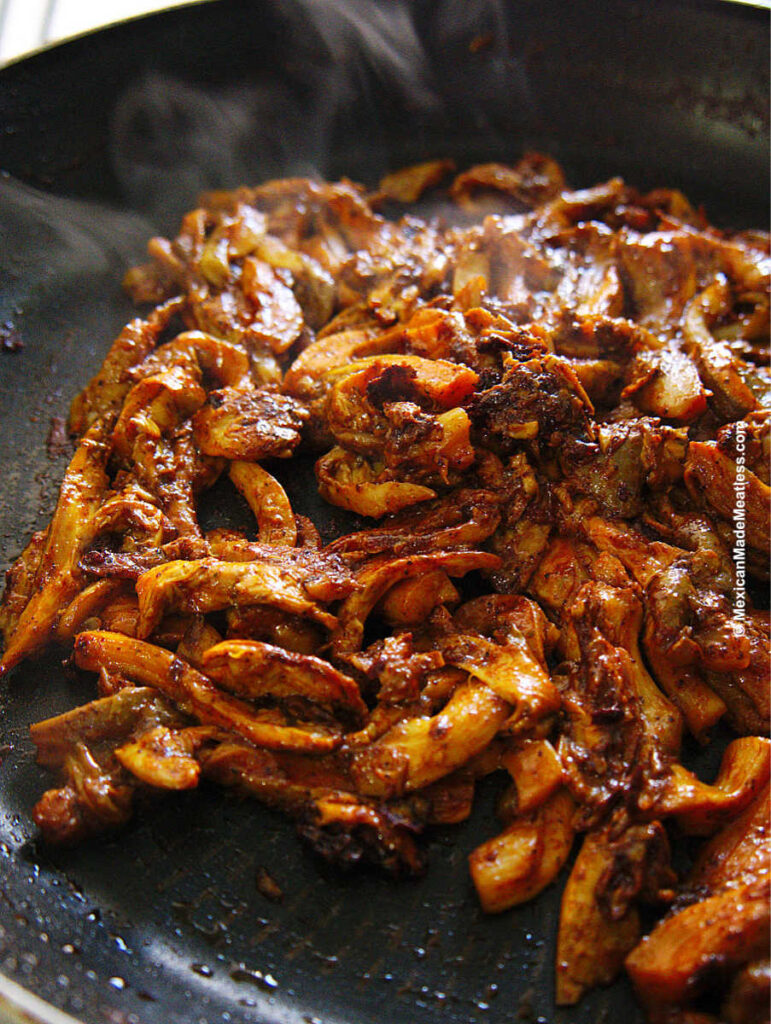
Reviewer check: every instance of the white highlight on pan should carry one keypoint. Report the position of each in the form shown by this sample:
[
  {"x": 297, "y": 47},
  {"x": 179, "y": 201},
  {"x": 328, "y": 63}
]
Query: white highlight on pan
[{"x": 26, "y": 25}]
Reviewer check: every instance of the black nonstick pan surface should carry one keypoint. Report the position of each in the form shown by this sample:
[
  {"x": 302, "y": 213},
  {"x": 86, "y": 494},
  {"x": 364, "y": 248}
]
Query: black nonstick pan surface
[{"x": 106, "y": 140}]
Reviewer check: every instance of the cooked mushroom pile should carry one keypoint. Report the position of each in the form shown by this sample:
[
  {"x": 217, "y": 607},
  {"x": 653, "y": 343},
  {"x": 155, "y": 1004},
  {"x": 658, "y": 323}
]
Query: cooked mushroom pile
[{"x": 553, "y": 409}]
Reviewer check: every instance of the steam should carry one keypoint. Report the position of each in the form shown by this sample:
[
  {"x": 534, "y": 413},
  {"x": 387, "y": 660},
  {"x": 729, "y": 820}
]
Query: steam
[
  {"x": 353, "y": 88},
  {"x": 64, "y": 242},
  {"x": 370, "y": 40}
]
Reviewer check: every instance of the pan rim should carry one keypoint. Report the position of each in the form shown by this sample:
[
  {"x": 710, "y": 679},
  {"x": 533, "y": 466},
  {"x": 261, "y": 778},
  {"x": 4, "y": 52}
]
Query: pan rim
[
  {"x": 119, "y": 22},
  {"x": 752, "y": 8}
]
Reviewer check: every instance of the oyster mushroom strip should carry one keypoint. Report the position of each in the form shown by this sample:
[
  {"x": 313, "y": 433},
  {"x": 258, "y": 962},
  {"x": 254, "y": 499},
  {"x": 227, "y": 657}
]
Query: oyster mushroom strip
[
  {"x": 423, "y": 749},
  {"x": 415, "y": 446},
  {"x": 509, "y": 670},
  {"x": 154, "y": 407},
  {"x": 277, "y": 318},
  {"x": 516, "y": 865},
  {"x": 95, "y": 792},
  {"x": 733, "y": 387},
  {"x": 712, "y": 478},
  {"x": 375, "y": 578},
  {"x": 58, "y": 578},
  {"x": 20, "y": 584},
  {"x": 210, "y": 585},
  {"x": 620, "y": 734},
  {"x": 408, "y": 681},
  {"x": 536, "y": 773},
  {"x": 666, "y": 383},
  {"x": 165, "y": 758},
  {"x": 323, "y": 574},
  {"x": 474, "y": 337},
  {"x": 88, "y": 604},
  {"x": 641, "y": 557},
  {"x": 604, "y": 350},
  {"x": 420, "y": 750},
  {"x": 194, "y": 693},
  {"x": 664, "y": 572},
  {"x": 249, "y": 423},
  {"x": 750, "y": 987},
  {"x": 700, "y": 808},
  {"x": 540, "y": 400},
  {"x": 197, "y": 637},
  {"x": 354, "y": 411},
  {"x": 532, "y": 181},
  {"x": 618, "y": 615},
  {"x": 504, "y": 617},
  {"x": 408, "y": 184},
  {"x": 463, "y": 518},
  {"x": 514, "y": 265},
  {"x": 226, "y": 235},
  {"x": 694, "y": 641},
  {"x": 319, "y": 793},
  {"x": 607, "y": 753},
  {"x": 105, "y": 393},
  {"x": 309, "y": 375},
  {"x": 268, "y": 501},
  {"x": 599, "y": 923},
  {"x": 313, "y": 286},
  {"x": 108, "y": 720},
  {"x": 144, "y": 732},
  {"x": 359, "y": 315},
  {"x": 569, "y": 582},
  {"x": 352, "y": 482},
  {"x": 94, "y": 798},
  {"x": 671, "y": 789},
  {"x": 421, "y": 446},
  {"x": 726, "y": 921},
  {"x": 226, "y": 364},
  {"x": 744, "y": 685},
  {"x": 275, "y": 313},
  {"x": 154, "y": 442},
  {"x": 253, "y": 669},
  {"x": 201, "y": 263},
  {"x": 411, "y": 602},
  {"x": 132, "y": 514},
  {"x": 631, "y": 457}
]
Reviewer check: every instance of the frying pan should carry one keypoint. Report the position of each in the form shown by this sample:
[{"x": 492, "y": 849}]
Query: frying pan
[{"x": 107, "y": 139}]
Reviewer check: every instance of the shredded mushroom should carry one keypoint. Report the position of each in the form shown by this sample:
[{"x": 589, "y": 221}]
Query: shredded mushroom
[{"x": 549, "y": 407}]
